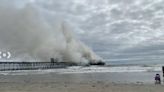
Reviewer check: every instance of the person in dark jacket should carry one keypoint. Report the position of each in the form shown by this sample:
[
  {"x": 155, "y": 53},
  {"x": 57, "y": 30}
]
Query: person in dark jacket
[
  {"x": 163, "y": 70},
  {"x": 157, "y": 79}
]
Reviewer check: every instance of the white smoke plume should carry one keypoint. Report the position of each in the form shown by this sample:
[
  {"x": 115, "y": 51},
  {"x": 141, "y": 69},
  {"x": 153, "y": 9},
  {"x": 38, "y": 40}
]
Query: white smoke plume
[{"x": 29, "y": 35}]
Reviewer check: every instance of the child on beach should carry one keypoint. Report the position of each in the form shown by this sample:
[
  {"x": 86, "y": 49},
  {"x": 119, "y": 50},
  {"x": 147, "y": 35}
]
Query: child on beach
[{"x": 157, "y": 79}]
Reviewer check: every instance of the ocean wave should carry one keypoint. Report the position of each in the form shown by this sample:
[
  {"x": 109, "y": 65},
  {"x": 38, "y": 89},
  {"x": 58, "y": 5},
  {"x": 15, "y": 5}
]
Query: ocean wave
[{"x": 86, "y": 69}]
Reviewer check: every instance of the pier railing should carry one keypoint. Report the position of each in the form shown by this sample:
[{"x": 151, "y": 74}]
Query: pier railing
[{"x": 4, "y": 66}]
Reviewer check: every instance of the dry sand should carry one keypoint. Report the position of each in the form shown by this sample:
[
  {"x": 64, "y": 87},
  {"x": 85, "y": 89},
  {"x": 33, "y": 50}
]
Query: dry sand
[
  {"x": 65, "y": 83},
  {"x": 78, "y": 87}
]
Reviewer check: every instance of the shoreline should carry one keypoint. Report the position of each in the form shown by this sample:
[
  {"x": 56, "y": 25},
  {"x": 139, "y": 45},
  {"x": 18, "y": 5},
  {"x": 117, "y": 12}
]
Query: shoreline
[
  {"x": 92, "y": 82},
  {"x": 49, "y": 76}
]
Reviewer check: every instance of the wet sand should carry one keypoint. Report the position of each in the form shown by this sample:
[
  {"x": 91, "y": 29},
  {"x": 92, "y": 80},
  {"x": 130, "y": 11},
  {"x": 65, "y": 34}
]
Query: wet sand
[{"x": 98, "y": 82}]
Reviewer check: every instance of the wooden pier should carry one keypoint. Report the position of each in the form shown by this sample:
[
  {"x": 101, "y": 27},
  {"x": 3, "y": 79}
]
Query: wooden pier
[{"x": 5, "y": 66}]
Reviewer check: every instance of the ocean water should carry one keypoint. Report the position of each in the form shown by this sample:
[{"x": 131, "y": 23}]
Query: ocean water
[
  {"x": 79, "y": 74},
  {"x": 90, "y": 69}
]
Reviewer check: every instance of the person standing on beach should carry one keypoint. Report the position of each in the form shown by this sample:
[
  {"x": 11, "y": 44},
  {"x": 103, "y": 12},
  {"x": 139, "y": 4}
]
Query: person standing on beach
[
  {"x": 157, "y": 79},
  {"x": 163, "y": 71}
]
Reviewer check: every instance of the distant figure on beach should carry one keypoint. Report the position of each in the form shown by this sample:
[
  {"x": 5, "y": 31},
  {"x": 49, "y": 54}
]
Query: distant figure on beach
[
  {"x": 163, "y": 70},
  {"x": 157, "y": 79}
]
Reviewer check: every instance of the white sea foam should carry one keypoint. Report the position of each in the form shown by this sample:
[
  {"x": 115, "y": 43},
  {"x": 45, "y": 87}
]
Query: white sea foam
[{"x": 83, "y": 70}]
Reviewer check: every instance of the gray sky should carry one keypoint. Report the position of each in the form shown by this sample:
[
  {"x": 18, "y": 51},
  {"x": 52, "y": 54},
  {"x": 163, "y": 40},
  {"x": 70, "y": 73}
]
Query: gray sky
[{"x": 124, "y": 31}]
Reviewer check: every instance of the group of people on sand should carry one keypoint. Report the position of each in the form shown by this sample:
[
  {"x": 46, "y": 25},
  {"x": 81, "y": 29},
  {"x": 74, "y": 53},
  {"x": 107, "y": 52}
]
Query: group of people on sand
[{"x": 158, "y": 78}]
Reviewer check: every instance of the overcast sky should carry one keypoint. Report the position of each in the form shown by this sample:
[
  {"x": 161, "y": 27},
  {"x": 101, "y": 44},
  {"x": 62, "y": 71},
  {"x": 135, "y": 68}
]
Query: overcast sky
[{"x": 120, "y": 31}]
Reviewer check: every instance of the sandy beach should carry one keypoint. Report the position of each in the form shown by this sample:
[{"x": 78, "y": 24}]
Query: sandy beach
[
  {"x": 92, "y": 82},
  {"x": 78, "y": 87}
]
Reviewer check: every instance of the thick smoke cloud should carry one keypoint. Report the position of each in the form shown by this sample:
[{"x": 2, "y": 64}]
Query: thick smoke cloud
[{"x": 30, "y": 34}]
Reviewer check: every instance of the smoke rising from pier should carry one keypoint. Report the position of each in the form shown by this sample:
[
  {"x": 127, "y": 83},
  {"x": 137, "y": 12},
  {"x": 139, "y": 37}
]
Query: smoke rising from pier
[{"x": 29, "y": 33}]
